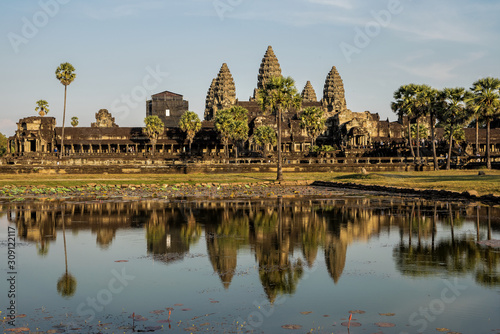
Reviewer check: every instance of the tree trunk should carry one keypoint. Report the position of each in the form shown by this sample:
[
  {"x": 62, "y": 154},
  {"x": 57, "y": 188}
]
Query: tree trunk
[
  {"x": 64, "y": 240},
  {"x": 280, "y": 171},
  {"x": 226, "y": 150},
  {"x": 64, "y": 119},
  {"x": 409, "y": 138},
  {"x": 190, "y": 142},
  {"x": 477, "y": 136},
  {"x": 433, "y": 137},
  {"x": 418, "y": 139},
  {"x": 488, "y": 158},
  {"x": 153, "y": 142},
  {"x": 448, "y": 161}
]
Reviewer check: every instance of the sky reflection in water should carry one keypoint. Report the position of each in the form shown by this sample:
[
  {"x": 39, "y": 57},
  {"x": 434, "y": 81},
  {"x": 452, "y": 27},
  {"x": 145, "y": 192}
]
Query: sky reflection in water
[{"x": 250, "y": 266}]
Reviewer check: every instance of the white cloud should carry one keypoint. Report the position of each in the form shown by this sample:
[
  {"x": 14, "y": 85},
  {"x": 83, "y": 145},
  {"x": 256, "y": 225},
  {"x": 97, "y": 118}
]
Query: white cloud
[
  {"x": 438, "y": 71},
  {"x": 347, "y": 4}
]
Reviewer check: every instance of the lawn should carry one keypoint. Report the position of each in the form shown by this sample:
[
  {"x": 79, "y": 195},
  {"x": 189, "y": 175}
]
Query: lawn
[{"x": 456, "y": 180}]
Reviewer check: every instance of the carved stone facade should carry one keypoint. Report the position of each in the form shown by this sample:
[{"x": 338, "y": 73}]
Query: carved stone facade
[
  {"x": 221, "y": 94},
  {"x": 168, "y": 106},
  {"x": 34, "y": 135},
  {"x": 308, "y": 93},
  {"x": 333, "y": 92},
  {"x": 103, "y": 119},
  {"x": 349, "y": 131},
  {"x": 269, "y": 68}
]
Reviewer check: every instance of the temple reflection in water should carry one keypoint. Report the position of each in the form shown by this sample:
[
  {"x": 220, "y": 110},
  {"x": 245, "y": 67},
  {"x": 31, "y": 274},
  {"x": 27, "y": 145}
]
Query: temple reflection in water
[{"x": 286, "y": 236}]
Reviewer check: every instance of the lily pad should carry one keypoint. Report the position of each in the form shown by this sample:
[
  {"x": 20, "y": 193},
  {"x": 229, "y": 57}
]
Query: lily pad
[
  {"x": 385, "y": 324},
  {"x": 353, "y": 324},
  {"x": 291, "y": 326}
]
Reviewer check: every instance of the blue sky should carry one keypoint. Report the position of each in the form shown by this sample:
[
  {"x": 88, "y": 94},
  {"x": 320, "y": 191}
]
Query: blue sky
[{"x": 126, "y": 50}]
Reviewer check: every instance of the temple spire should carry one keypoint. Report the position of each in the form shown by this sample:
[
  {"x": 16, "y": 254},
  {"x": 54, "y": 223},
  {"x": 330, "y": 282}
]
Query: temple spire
[
  {"x": 333, "y": 92},
  {"x": 308, "y": 94},
  {"x": 269, "y": 67},
  {"x": 221, "y": 94}
]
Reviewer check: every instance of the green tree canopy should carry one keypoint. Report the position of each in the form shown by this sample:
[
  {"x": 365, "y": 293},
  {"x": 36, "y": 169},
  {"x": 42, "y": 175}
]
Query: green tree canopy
[
  {"x": 153, "y": 129},
  {"x": 430, "y": 101},
  {"x": 42, "y": 107},
  {"x": 455, "y": 112},
  {"x": 232, "y": 124},
  {"x": 74, "y": 121},
  {"x": 3, "y": 144},
  {"x": 190, "y": 123},
  {"x": 405, "y": 105},
  {"x": 65, "y": 73},
  {"x": 263, "y": 136},
  {"x": 487, "y": 106},
  {"x": 277, "y": 96},
  {"x": 313, "y": 120}
]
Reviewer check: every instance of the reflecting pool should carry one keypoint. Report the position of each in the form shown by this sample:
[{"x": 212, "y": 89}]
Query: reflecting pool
[{"x": 397, "y": 265}]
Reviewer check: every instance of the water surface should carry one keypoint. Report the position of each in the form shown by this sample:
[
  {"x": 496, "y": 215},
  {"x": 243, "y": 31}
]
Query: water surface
[{"x": 253, "y": 266}]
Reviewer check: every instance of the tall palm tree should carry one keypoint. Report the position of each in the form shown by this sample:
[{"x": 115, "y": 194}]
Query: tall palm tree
[
  {"x": 263, "y": 136},
  {"x": 404, "y": 105},
  {"x": 240, "y": 126},
  {"x": 190, "y": 123},
  {"x": 65, "y": 73},
  {"x": 455, "y": 112},
  {"x": 313, "y": 120},
  {"x": 224, "y": 125},
  {"x": 277, "y": 96},
  {"x": 487, "y": 103},
  {"x": 66, "y": 285},
  {"x": 232, "y": 124},
  {"x": 430, "y": 102},
  {"x": 42, "y": 107},
  {"x": 153, "y": 129}
]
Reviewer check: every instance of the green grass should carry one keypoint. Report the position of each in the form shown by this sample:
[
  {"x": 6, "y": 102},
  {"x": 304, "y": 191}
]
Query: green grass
[{"x": 447, "y": 180}]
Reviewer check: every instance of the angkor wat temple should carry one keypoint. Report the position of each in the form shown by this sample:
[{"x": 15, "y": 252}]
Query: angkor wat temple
[{"x": 352, "y": 134}]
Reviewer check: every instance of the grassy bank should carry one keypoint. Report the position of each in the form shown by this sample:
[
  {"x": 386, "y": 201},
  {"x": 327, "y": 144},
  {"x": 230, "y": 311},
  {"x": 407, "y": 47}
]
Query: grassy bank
[{"x": 447, "y": 180}]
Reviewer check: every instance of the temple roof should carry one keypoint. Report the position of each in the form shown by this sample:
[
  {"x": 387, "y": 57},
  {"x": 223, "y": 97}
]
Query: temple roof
[
  {"x": 269, "y": 67},
  {"x": 308, "y": 94}
]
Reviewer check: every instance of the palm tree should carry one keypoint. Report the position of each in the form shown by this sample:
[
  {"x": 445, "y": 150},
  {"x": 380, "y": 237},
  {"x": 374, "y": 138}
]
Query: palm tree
[
  {"x": 65, "y": 74},
  {"x": 405, "y": 106},
  {"x": 42, "y": 107},
  {"x": 66, "y": 285},
  {"x": 277, "y": 96},
  {"x": 455, "y": 113},
  {"x": 313, "y": 120},
  {"x": 74, "y": 121},
  {"x": 263, "y": 136},
  {"x": 224, "y": 125},
  {"x": 154, "y": 128},
  {"x": 240, "y": 130},
  {"x": 190, "y": 123},
  {"x": 430, "y": 102},
  {"x": 232, "y": 124},
  {"x": 487, "y": 103}
]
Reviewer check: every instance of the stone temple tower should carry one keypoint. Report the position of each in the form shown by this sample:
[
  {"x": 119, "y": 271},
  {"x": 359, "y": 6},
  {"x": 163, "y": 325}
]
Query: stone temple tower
[
  {"x": 308, "y": 94},
  {"x": 269, "y": 67},
  {"x": 221, "y": 94},
  {"x": 333, "y": 92}
]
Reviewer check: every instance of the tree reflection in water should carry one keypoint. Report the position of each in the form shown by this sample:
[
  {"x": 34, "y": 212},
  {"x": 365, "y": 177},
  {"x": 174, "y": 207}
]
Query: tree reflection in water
[{"x": 284, "y": 235}]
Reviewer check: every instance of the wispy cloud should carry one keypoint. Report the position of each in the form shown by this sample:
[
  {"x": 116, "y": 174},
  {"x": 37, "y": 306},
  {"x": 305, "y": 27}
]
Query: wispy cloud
[
  {"x": 347, "y": 4},
  {"x": 438, "y": 71},
  {"x": 123, "y": 10}
]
